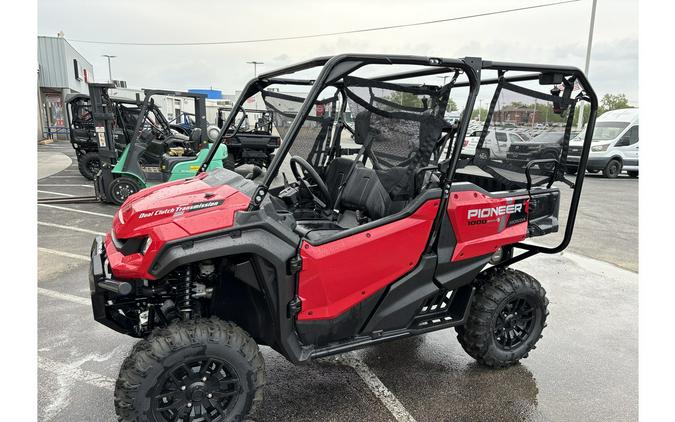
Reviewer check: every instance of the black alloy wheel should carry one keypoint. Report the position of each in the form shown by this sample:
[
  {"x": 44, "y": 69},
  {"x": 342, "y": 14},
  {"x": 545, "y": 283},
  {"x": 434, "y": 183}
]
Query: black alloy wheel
[
  {"x": 506, "y": 318},
  {"x": 204, "y": 389},
  {"x": 514, "y": 323}
]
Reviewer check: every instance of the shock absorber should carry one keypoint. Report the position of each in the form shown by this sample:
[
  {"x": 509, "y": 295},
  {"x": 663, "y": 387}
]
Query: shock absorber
[{"x": 184, "y": 294}]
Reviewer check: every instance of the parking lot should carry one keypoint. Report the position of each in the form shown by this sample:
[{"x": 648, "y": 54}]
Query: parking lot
[{"x": 585, "y": 367}]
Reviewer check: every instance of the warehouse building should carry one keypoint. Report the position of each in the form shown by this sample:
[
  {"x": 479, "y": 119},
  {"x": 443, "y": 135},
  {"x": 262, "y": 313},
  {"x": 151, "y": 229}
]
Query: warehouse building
[{"x": 61, "y": 71}]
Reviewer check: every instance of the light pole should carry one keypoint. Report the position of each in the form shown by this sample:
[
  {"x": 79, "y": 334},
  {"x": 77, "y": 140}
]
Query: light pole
[
  {"x": 255, "y": 66},
  {"x": 109, "y": 67},
  {"x": 580, "y": 121}
]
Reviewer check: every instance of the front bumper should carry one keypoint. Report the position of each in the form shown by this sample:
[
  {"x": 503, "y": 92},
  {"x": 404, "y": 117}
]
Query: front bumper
[
  {"x": 104, "y": 288},
  {"x": 593, "y": 163}
]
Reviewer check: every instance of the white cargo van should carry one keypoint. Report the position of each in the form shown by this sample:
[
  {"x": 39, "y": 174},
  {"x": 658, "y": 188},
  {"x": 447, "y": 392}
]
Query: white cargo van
[{"x": 614, "y": 147}]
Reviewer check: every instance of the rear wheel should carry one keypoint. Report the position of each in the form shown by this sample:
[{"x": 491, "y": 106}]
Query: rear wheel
[
  {"x": 612, "y": 169},
  {"x": 507, "y": 316},
  {"x": 121, "y": 188},
  {"x": 201, "y": 370},
  {"x": 89, "y": 164}
]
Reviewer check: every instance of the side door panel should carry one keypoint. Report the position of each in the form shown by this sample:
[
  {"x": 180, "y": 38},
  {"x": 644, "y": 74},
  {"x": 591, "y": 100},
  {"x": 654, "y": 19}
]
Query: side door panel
[{"x": 338, "y": 275}]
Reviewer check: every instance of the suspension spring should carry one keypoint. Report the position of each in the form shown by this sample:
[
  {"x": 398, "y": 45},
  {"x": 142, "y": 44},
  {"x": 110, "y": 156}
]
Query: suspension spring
[{"x": 184, "y": 294}]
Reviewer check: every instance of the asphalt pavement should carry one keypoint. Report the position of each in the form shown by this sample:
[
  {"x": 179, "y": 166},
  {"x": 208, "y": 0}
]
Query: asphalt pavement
[{"x": 584, "y": 368}]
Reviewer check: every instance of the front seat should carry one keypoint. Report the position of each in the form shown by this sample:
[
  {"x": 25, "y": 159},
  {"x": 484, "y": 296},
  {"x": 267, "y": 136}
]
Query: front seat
[{"x": 365, "y": 193}]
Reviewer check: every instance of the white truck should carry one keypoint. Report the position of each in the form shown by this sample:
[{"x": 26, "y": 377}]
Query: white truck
[{"x": 614, "y": 147}]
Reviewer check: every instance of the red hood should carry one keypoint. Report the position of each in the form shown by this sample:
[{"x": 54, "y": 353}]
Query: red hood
[{"x": 192, "y": 205}]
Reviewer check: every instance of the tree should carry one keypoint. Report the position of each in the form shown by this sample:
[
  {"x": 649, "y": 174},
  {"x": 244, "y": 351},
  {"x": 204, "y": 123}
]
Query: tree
[
  {"x": 479, "y": 111},
  {"x": 613, "y": 102},
  {"x": 405, "y": 99},
  {"x": 452, "y": 105}
]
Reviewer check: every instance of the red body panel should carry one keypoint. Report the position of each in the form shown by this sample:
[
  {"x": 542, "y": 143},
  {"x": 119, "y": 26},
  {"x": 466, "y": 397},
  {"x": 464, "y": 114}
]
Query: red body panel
[
  {"x": 337, "y": 275},
  {"x": 168, "y": 212},
  {"x": 481, "y": 235}
]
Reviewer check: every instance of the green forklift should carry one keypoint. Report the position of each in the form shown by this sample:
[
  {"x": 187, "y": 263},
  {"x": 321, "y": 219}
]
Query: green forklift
[{"x": 149, "y": 158}]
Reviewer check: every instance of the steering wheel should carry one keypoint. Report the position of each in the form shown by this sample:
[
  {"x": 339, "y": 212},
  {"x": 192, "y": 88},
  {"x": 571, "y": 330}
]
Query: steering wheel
[{"x": 308, "y": 171}]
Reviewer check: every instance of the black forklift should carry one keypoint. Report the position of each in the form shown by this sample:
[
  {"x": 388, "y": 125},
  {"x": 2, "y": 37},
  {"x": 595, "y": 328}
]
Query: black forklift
[
  {"x": 125, "y": 114},
  {"x": 82, "y": 129},
  {"x": 153, "y": 154}
]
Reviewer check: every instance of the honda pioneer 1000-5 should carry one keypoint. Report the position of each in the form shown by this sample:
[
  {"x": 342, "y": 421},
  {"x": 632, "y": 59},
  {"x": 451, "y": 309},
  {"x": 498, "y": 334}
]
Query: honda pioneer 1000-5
[{"x": 358, "y": 234}]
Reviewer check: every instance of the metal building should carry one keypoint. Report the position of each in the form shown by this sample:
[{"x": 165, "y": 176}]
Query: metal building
[{"x": 61, "y": 71}]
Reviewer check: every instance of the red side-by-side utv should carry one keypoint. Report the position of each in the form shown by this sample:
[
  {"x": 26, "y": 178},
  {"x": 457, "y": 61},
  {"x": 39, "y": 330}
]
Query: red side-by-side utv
[{"x": 370, "y": 225}]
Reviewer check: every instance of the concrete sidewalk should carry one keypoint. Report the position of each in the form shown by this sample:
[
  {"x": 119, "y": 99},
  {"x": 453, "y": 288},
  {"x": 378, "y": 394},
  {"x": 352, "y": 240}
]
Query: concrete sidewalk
[{"x": 50, "y": 163}]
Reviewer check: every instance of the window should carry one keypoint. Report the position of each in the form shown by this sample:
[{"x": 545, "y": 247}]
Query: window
[
  {"x": 76, "y": 68},
  {"x": 515, "y": 138},
  {"x": 633, "y": 135},
  {"x": 628, "y": 138},
  {"x": 500, "y": 136}
]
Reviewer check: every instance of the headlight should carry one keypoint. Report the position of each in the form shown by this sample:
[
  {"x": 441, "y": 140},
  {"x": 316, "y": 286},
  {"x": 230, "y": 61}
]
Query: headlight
[
  {"x": 146, "y": 245},
  {"x": 598, "y": 148},
  {"x": 132, "y": 245}
]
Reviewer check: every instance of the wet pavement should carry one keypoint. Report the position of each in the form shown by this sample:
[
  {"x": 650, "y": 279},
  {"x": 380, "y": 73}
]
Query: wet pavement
[{"x": 585, "y": 367}]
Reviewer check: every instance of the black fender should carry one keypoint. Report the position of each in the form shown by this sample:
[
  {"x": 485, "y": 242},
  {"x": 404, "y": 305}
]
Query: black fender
[{"x": 258, "y": 236}]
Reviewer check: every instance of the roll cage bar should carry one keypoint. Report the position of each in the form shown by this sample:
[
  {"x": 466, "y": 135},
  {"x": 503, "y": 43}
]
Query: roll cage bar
[{"x": 336, "y": 67}]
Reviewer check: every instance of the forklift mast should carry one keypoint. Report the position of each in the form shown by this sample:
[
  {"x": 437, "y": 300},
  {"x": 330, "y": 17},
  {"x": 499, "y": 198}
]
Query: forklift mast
[{"x": 103, "y": 114}]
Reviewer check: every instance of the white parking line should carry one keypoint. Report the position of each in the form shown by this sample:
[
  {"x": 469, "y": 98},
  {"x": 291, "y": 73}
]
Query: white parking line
[
  {"x": 62, "y": 177},
  {"x": 54, "y": 193},
  {"x": 65, "y": 254},
  {"x": 75, "y": 210},
  {"x": 64, "y": 296},
  {"x": 377, "y": 387},
  {"x": 77, "y": 229},
  {"x": 76, "y": 374}
]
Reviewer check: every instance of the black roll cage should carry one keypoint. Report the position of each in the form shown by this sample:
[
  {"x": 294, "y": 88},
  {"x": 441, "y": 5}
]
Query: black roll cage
[{"x": 336, "y": 67}]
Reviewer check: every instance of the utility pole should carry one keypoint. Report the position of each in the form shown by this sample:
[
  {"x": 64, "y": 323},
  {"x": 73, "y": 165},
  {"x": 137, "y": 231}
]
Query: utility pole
[
  {"x": 255, "y": 66},
  {"x": 580, "y": 121},
  {"x": 110, "y": 79}
]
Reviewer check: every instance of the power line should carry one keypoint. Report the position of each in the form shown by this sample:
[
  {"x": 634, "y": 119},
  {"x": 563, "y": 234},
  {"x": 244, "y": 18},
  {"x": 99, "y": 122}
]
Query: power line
[{"x": 329, "y": 34}]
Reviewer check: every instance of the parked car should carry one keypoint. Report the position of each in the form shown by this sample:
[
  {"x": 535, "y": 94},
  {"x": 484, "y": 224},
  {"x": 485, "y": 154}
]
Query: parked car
[
  {"x": 615, "y": 145},
  {"x": 498, "y": 142},
  {"x": 543, "y": 146}
]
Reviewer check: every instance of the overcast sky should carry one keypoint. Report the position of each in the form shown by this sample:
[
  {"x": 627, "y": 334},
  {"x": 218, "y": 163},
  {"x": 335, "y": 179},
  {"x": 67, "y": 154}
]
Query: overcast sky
[{"x": 555, "y": 35}]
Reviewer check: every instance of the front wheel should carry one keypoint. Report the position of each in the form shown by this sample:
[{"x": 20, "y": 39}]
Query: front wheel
[
  {"x": 201, "y": 370},
  {"x": 121, "y": 188},
  {"x": 507, "y": 316},
  {"x": 612, "y": 169}
]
